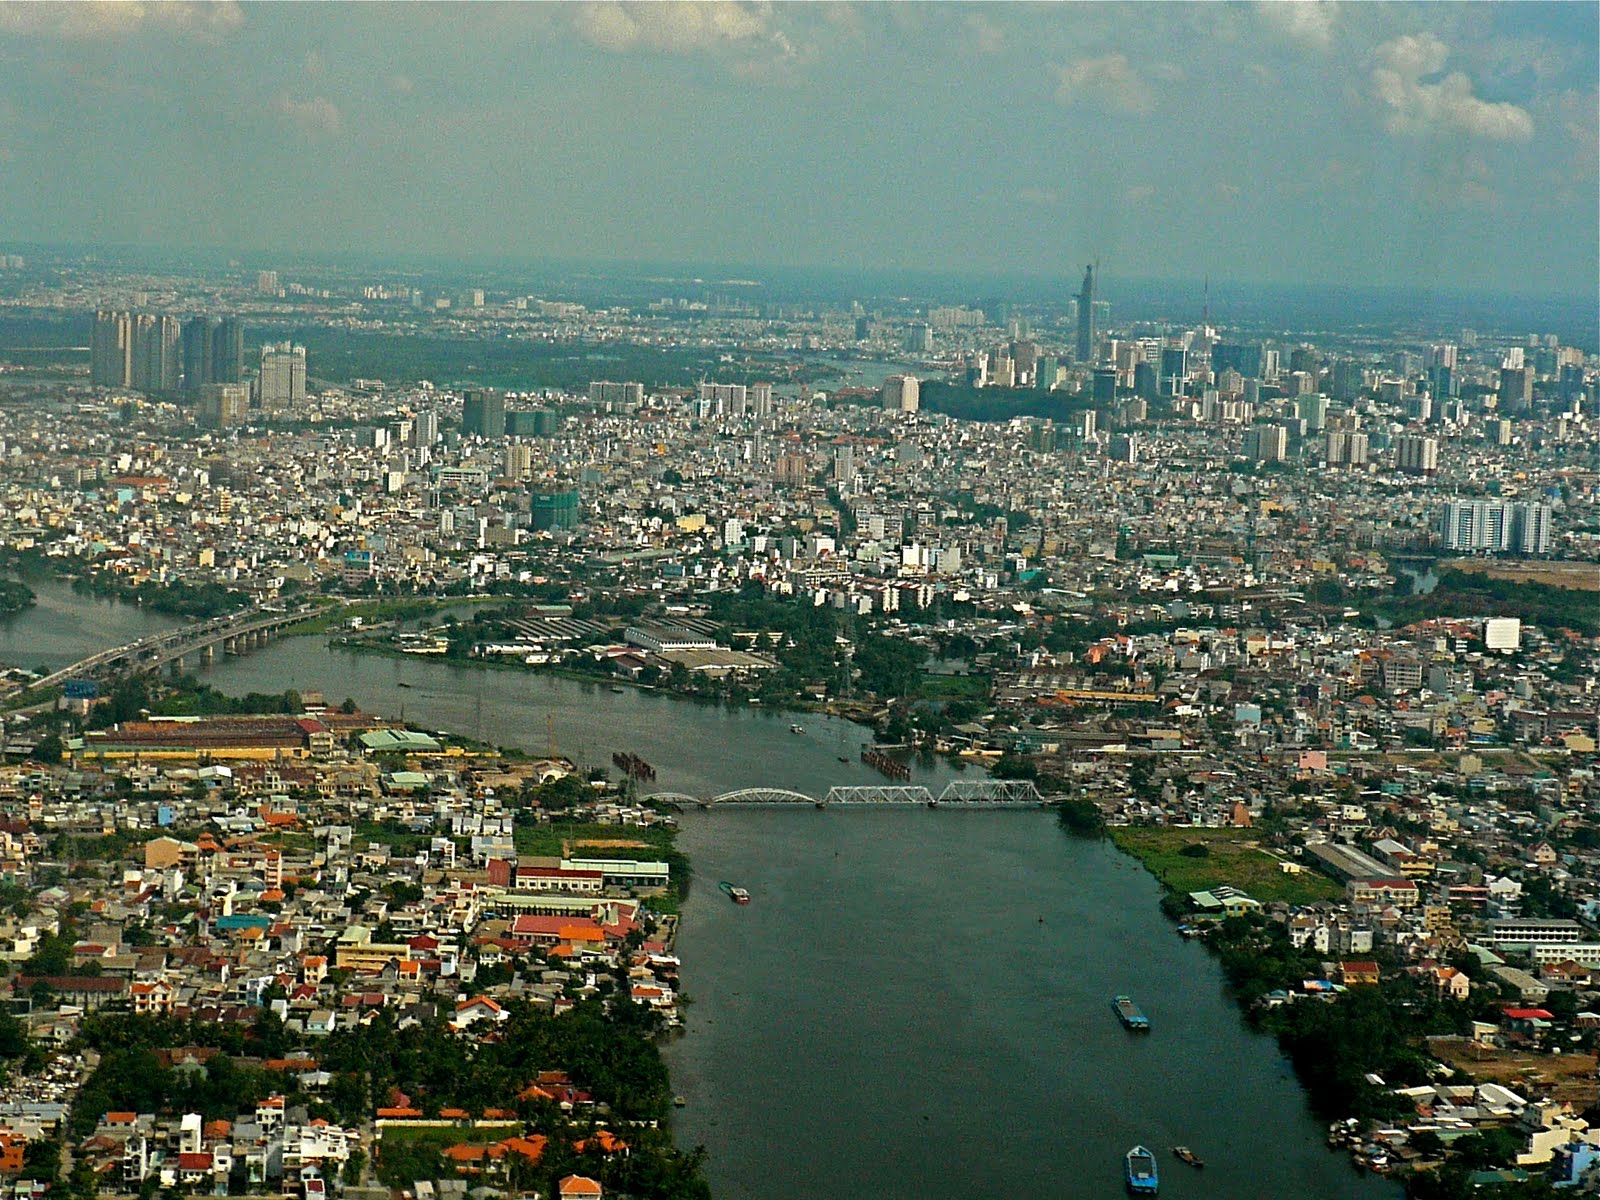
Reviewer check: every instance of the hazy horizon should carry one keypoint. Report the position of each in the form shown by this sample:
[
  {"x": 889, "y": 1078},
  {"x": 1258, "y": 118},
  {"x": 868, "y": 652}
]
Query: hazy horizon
[{"x": 1450, "y": 147}]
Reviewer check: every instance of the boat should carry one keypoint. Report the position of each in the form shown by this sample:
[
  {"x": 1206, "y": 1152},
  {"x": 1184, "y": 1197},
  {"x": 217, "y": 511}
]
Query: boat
[
  {"x": 844, "y": 758},
  {"x": 1129, "y": 1013},
  {"x": 1189, "y": 1156},
  {"x": 797, "y": 729},
  {"x": 737, "y": 894},
  {"x": 679, "y": 1101},
  {"x": 404, "y": 685},
  {"x": 1140, "y": 1166},
  {"x": 618, "y": 688}
]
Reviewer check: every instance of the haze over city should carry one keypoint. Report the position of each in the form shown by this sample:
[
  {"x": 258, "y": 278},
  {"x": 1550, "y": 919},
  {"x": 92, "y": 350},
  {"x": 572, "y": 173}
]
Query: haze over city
[{"x": 1441, "y": 146}]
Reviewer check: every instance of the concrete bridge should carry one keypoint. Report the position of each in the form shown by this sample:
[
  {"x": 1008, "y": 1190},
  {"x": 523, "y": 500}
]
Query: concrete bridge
[
  {"x": 236, "y": 633},
  {"x": 981, "y": 793}
]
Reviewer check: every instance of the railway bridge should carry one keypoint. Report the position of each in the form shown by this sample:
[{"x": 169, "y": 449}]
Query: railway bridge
[{"x": 983, "y": 793}]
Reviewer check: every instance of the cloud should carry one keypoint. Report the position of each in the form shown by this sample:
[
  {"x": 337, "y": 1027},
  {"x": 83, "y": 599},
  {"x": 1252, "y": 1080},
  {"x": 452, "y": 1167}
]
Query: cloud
[
  {"x": 96, "y": 19},
  {"x": 1466, "y": 182},
  {"x": 1305, "y": 22},
  {"x": 1108, "y": 81},
  {"x": 675, "y": 26},
  {"x": 1580, "y": 120},
  {"x": 314, "y": 115},
  {"x": 983, "y": 35},
  {"x": 1418, "y": 100}
]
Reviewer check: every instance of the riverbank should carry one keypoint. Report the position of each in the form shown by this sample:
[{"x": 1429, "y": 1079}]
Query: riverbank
[
  {"x": 852, "y": 711},
  {"x": 1352, "y": 1039}
]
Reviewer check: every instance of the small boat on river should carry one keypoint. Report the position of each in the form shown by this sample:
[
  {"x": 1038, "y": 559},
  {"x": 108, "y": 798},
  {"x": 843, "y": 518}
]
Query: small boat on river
[
  {"x": 1187, "y": 1155},
  {"x": 1142, "y": 1177},
  {"x": 737, "y": 894}
]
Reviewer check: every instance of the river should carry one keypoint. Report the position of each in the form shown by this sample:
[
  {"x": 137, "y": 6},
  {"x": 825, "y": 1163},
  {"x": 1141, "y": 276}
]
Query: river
[
  {"x": 65, "y": 626},
  {"x": 917, "y": 1002}
]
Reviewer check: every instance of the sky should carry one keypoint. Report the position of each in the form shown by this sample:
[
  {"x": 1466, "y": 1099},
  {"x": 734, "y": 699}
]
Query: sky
[{"x": 1446, "y": 146}]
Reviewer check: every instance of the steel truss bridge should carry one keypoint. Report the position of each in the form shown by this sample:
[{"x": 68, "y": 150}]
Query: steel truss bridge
[{"x": 983, "y": 793}]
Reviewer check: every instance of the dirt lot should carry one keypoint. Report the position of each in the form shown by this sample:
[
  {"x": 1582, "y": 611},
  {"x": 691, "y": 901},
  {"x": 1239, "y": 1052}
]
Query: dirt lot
[
  {"x": 1569, "y": 1077},
  {"x": 1582, "y": 577}
]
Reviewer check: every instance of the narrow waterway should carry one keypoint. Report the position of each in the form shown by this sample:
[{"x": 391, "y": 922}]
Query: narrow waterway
[{"x": 917, "y": 1002}]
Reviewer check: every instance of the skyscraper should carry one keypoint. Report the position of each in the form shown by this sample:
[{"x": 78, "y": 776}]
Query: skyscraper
[
  {"x": 1244, "y": 358},
  {"x": 223, "y": 405},
  {"x": 1416, "y": 455},
  {"x": 227, "y": 351},
  {"x": 197, "y": 353},
  {"x": 1085, "y": 347},
  {"x": 282, "y": 379},
  {"x": 483, "y": 414},
  {"x": 1174, "y": 368},
  {"x": 155, "y": 359},
  {"x": 1496, "y": 526},
  {"x": 111, "y": 350},
  {"x": 425, "y": 429},
  {"x": 1266, "y": 443},
  {"x": 901, "y": 393},
  {"x": 761, "y": 399}
]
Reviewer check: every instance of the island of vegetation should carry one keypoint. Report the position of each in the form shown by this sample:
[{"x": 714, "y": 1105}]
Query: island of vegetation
[{"x": 15, "y": 596}]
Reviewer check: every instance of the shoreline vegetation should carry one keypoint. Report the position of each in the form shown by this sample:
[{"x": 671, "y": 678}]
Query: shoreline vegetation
[
  {"x": 15, "y": 597},
  {"x": 1350, "y": 1054}
]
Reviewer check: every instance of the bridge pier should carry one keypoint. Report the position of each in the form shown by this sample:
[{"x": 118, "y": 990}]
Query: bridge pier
[
  {"x": 176, "y": 666},
  {"x": 208, "y": 653},
  {"x": 231, "y": 646}
]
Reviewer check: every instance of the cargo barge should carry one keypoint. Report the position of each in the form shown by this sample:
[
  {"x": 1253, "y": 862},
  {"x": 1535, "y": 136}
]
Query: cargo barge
[{"x": 1129, "y": 1013}]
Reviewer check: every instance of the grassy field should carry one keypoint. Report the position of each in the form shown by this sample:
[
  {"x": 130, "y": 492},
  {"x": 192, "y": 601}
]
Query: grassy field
[
  {"x": 953, "y": 687},
  {"x": 548, "y": 840},
  {"x": 1234, "y": 858}
]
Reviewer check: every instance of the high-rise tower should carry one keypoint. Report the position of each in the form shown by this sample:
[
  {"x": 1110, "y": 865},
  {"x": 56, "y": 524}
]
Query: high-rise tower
[
  {"x": 197, "y": 353},
  {"x": 1085, "y": 346},
  {"x": 227, "y": 351},
  {"x": 111, "y": 350}
]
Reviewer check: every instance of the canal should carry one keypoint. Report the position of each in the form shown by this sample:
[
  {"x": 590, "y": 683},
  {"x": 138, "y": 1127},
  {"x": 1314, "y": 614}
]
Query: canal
[{"x": 917, "y": 1002}]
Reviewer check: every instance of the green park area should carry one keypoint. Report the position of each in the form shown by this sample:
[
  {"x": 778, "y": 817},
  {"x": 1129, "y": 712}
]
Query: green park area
[{"x": 1197, "y": 860}]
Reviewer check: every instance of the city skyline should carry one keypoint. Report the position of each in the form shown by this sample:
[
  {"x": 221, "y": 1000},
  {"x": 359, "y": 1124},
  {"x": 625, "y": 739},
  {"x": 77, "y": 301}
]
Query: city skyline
[{"x": 1446, "y": 147}]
